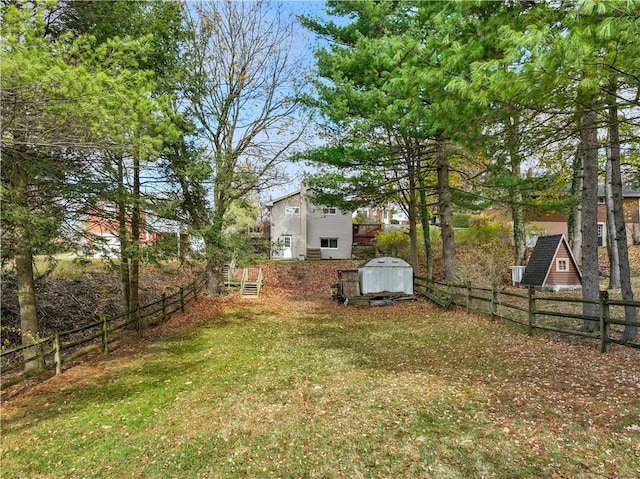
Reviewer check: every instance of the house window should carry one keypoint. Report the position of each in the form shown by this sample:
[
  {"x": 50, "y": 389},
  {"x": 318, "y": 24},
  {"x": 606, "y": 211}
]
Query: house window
[
  {"x": 601, "y": 200},
  {"x": 331, "y": 210},
  {"x": 292, "y": 210},
  {"x": 600, "y": 234},
  {"x": 287, "y": 241},
  {"x": 562, "y": 264},
  {"x": 331, "y": 243}
]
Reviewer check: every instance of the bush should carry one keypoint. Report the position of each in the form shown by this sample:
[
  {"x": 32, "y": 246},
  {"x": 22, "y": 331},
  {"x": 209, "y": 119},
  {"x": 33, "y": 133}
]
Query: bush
[
  {"x": 484, "y": 251},
  {"x": 460, "y": 220},
  {"x": 483, "y": 230},
  {"x": 393, "y": 243}
]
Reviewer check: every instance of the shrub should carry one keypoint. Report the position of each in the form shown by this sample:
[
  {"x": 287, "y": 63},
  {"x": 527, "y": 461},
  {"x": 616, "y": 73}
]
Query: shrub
[
  {"x": 393, "y": 243},
  {"x": 484, "y": 251},
  {"x": 460, "y": 220},
  {"x": 483, "y": 230}
]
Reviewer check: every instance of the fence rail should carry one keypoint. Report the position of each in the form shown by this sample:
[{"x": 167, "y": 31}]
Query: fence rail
[
  {"x": 62, "y": 347},
  {"x": 536, "y": 311}
]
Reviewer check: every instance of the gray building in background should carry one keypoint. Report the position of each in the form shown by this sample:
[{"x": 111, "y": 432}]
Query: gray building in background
[{"x": 301, "y": 229}]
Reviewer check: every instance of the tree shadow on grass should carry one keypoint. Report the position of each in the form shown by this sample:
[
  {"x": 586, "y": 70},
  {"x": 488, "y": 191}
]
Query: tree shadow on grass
[
  {"x": 158, "y": 372},
  {"x": 391, "y": 340}
]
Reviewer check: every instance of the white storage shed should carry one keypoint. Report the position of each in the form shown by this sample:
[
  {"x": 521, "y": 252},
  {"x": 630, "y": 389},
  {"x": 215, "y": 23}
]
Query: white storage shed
[{"x": 386, "y": 274}]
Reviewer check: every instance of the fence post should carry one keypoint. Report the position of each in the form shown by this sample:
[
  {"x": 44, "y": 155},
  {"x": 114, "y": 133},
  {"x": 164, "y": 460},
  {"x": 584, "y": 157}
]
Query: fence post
[
  {"x": 195, "y": 290},
  {"x": 105, "y": 335},
  {"x": 531, "y": 311},
  {"x": 57, "y": 351},
  {"x": 605, "y": 345},
  {"x": 182, "y": 300},
  {"x": 138, "y": 320},
  {"x": 468, "y": 297},
  {"x": 494, "y": 302},
  {"x": 164, "y": 307}
]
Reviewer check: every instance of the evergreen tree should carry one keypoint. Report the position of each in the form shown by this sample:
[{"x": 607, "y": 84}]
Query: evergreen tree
[{"x": 60, "y": 96}]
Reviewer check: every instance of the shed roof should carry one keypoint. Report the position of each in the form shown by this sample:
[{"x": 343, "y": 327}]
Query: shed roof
[
  {"x": 542, "y": 259},
  {"x": 386, "y": 262}
]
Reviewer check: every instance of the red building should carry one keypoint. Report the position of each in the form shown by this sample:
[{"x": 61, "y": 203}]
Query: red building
[
  {"x": 552, "y": 224},
  {"x": 102, "y": 233}
]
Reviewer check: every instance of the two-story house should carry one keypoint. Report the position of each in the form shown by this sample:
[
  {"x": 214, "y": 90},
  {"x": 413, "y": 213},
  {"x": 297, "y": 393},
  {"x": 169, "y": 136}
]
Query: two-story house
[
  {"x": 301, "y": 229},
  {"x": 552, "y": 224}
]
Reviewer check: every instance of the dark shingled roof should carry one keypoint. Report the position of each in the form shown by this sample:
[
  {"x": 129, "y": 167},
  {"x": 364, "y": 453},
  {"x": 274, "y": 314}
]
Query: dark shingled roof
[{"x": 540, "y": 261}]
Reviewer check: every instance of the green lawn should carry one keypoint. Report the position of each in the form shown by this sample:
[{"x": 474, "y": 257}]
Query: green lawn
[{"x": 311, "y": 389}]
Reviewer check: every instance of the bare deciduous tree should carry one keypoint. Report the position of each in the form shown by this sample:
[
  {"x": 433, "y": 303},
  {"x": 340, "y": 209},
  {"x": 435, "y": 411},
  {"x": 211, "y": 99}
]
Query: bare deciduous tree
[{"x": 240, "y": 88}]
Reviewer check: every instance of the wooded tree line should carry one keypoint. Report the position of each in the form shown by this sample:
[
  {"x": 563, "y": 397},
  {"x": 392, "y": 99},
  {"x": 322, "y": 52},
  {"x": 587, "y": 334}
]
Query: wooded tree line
[
  {"x": 182, "y": 110},
  {"x": 186, "y": 109},
  {"x": 521, "y": 105}
]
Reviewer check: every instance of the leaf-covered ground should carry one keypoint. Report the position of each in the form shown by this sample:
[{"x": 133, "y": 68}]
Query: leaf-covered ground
[
  {"x": 77, "y": 293},
  {"x": 294, "y": 385}
]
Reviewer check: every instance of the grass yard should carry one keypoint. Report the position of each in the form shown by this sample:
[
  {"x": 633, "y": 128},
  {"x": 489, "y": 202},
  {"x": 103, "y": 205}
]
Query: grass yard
[{"x": 294, "y": 386}]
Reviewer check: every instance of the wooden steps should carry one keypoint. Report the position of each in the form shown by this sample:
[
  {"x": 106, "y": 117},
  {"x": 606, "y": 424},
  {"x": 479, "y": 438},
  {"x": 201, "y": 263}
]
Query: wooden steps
[
  {"x": 314, "y": 254},
  {"x": 230, "y": 274},
  {"x": 251, "y": 282}
]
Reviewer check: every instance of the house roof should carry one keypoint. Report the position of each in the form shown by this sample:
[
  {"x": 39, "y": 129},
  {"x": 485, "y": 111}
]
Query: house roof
[
  {"x": 541, "y": 260},
  {"x": 630, "y": 194},
  {"x": 625, "y": 193},
  {"x": 277, "y": 200},
  {"x": 270, "y": 203}
]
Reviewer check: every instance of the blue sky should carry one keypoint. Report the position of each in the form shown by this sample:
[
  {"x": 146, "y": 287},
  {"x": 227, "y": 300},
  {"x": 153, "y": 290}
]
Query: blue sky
[{"x": 308, "y": 41}]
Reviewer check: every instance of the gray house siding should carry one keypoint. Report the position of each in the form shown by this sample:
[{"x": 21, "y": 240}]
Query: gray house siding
[
  {"x": 310, "y": 226},
  {"x": 324, "y": 226},
  {"x": 286, "y": 224}
]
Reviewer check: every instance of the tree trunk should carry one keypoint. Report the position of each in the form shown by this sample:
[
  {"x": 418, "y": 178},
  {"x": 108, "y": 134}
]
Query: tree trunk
[
  {"x": 30, "y": 330},
  {"x": 574, "y": 224},
  {"x": 519, "y": 232},
  {"x": 590, "y": 273},
  {"x": 446, "y": 211},
  {"x": 424, "y": 218},
  {"x": 620, "y": 234},
  {"x": 134, "y": 279},
  {"x": 413, "y": 236},
  {"x": 215, "y": 284},
  {"x": 517, "y": 213},
  {"x": 412, "y": 216},
  {"x": 215, "y": 246},
  {"x": 612, "y": 245},
  {"x": 123, "y": 237}
]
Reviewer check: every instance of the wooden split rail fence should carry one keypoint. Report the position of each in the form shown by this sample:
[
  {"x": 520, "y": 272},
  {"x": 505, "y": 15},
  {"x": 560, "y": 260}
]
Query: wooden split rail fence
[
  {"x": 61, "y": 347},
  {"x": 534, "y": 310}
]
